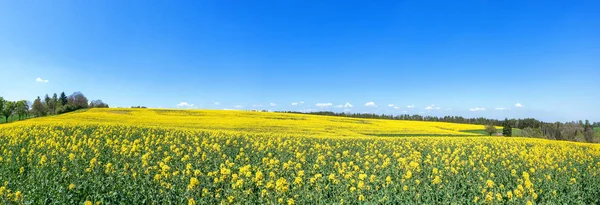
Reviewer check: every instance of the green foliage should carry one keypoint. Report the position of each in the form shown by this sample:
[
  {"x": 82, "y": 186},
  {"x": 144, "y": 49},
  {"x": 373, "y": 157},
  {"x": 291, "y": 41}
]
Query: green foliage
[
  {"x": 67, "y": 108},
  {"x": 588, "y": 132},
  {"x": 491, "y": 129},
  {"x": 532, "y": 132},
  {"x": 507, "y": 128},
  {"x": 2, "y": 104},
  {"x": 37, "y": 108},
  {"x": 8, "y": 109},
  {"x": 63, "y": 99}
]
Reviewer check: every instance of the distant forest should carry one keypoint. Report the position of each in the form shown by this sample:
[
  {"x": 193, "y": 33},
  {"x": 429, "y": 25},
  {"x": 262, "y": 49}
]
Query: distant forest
[{"x": 530, "y": 127}]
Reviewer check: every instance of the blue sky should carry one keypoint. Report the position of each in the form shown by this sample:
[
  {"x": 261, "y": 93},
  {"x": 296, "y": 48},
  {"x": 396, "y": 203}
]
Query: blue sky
[{"x": 466, "y": 58}]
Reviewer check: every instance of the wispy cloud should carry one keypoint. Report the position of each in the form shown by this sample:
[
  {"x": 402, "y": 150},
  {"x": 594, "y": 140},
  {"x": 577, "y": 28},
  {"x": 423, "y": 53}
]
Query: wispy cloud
[
  {"x": 347, "y": 105},
  {"x": 520, "y": 105},
  {"x": 185, "y": 105},
  {"x": 396, "y": 107},
  {"x": 390, "y": 105},
  {"x": 41, "y": 80},
  {"x": 272, "y": 104},
  {"x": 477, "y": 109},
  {"x": 370, "y": 104},
  {"x": 323, "y": 105},
  {"x": 410, "y": 106},
  {"x": 432, "y": 107},
  {"x": 217, "y": 103},
  {"x": 297, "y": 103}
]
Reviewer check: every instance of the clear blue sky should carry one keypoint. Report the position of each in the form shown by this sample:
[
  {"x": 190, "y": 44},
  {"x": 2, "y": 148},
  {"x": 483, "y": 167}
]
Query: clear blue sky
[{"x": 469, "y": 58}]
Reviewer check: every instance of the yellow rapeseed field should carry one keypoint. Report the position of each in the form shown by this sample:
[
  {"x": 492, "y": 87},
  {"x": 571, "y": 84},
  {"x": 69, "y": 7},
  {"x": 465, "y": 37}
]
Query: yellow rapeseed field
[
  {"x": 145, "y": 156},
  {"x": 281, "y": 124}
]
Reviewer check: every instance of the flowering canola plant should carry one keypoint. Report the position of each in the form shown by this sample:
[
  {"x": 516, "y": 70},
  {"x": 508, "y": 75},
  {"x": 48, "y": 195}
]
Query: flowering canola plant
[{"x": 137, "y": 156}]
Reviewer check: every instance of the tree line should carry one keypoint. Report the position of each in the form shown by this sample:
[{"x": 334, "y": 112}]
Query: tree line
[
  {"x": 516, "y": 123},
  {"x": 57, "y": 104},
  {"x": 529, "y": 127}
]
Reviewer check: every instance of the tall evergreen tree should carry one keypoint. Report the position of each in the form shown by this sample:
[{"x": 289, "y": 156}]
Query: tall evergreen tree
[
  {"x": 507, "y": 128},
  {"x": 63, "y": 99}
]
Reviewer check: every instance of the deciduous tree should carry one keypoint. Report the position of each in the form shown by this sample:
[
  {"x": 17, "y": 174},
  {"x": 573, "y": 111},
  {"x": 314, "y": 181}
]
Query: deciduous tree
[
  {"x": 37, "y": 108},
  {"x": 22, "y": 108},
  {"x": 490, "y": 129},
  {"x": 8, "y": 109},
  {"x": 78, "y": 100},
  {"x": 98, "y": 104}
]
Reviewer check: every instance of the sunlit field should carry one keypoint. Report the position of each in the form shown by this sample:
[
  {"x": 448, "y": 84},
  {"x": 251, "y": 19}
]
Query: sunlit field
[
  {"x": 145, "y": 156},
  {"x": 248, "y": 122}
]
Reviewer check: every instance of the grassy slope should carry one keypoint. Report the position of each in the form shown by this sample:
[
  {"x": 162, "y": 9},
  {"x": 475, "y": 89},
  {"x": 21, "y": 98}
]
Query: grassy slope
[{"x": 259, "y": 122}]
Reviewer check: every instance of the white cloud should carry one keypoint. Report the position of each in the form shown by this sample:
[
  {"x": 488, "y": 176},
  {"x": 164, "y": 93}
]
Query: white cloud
[
  {"x": 348, "y": 105},
  {"x": 370, "y": 104},
  {"x": 500, "y": 108},
  {"x": 432, "y": 107},
  {"x": 449, "y": 109},
  {"x": 272, "y": 104},
  {"x": 410, "y": 106},
  {"x": 217, "y": 103},
  {"x": 396, "y": 107},
  {"x": 298, "y": 103},
  {"x": 41, "y": 80},
  {"x": 339, "y": 106},
  {"x": 477, "y": 109},
  {"x": 323, "y": 105},
  {"x": 519, "y": 105},
  {"x": 238, "y": 106},
  {"x": 390, "y": 105},
  {"x": 294, "y": 103},
  {"x": 185, "y": 105}
]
